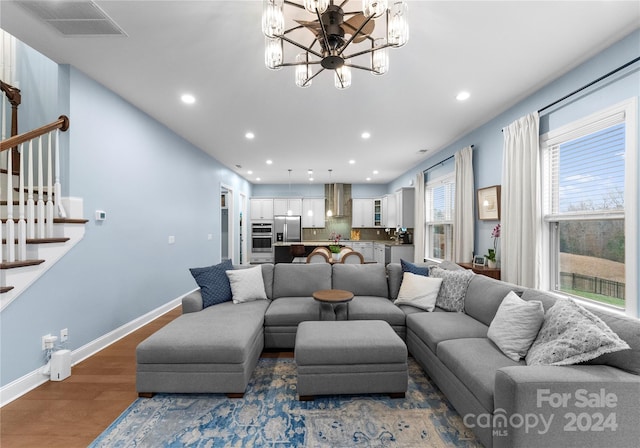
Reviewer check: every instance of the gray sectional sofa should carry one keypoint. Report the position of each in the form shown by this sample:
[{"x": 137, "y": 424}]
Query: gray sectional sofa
[{"x": 506, "y": 403}]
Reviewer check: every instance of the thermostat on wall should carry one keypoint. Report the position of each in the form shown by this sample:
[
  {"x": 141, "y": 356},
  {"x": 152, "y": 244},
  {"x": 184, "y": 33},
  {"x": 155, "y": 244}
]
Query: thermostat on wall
[{"x": 101, "y": 215}]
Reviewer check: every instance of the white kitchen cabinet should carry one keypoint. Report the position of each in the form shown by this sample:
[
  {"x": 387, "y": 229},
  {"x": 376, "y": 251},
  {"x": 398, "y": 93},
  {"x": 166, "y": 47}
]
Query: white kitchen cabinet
[
  {"x": 378, "y": 252},
  {"x": 405, "y": 207},
  {"x": 281, "y": 206},
  {"x": 313, "y": 212},
  {"x": 362, "y": 213},
  {"x": 364, "y": 247},
  {"x": 261, "y": 209},
  {"x": 389, "y": 211},
  {"x": 403, "y": 251}
]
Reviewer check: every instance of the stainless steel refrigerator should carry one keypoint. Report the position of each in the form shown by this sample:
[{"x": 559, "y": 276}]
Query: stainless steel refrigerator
[{"x": 287, "y": 228}]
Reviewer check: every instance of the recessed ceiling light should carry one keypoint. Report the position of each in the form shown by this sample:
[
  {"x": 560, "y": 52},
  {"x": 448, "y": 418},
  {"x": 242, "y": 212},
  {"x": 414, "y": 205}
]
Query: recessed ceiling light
[
  {"x": 368, "y": 179},
  {"x": 187, "y": 98},
  {"x": 375, "y": 171},
  {"x": 249, "y": 135},
  {"x": 258, "y": 179},
  {"x": 311, "y": 179},
  {"x": 464, "y": 95},
  {"x": 309, "y": 171},
  {"x": 351, "y": 162},
  {"x": 365, "y": 135},
  {"x": 249, "y": 172},
  {"x": 269, "y": 162}
]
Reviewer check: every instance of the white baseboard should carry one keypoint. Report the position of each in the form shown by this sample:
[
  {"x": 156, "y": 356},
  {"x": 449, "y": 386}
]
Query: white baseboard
[{"x": 30, "y": 381}]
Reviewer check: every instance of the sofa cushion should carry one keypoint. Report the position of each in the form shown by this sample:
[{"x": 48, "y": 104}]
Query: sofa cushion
[
  {"x": 516, "y": 325},
  {"x": 371, "y": 308},
  {"x": 545, "y": 298},
  {"x": 213, "y": 282},
  {"x": 433, "y": 328},
  {"x": 484, "y": 296},
  {"x": 220, "y": 334},
  {"x": 247, "y": 285},
  {"x": 290, "y": 311},
  {"x": 454, "y": 288},
  {"x": 300, "y": 279},
  {"x": 361, "y": 279},
  {"x": 571, "y": 334},
  {"x": 474, "y": 362},
  {"x": 419, "y": 291}
]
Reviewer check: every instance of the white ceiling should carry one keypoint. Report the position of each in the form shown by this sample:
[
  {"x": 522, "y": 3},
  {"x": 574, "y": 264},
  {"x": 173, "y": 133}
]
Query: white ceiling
[{"x": 499, "y": 51}]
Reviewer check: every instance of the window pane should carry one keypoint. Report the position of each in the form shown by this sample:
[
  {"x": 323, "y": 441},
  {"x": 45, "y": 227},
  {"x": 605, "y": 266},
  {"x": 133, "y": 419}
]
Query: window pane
[
  {"x": 591, "y": 172},
  {"x": 591, "y": 262},
  {"x": 440, "y": 241}
]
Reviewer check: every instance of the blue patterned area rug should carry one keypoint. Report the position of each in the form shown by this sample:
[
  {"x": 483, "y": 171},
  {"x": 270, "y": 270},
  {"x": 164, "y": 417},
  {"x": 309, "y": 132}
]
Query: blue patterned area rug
[{"x": 270, "y": 415}]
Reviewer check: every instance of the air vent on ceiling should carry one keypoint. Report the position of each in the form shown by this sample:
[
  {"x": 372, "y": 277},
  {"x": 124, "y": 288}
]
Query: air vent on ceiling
[{"x": 74, "y": 18}]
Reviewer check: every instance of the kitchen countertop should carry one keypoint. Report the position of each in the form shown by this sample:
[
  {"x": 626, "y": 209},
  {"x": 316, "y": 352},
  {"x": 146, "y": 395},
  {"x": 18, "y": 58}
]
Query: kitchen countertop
[{"x": 330, "y": 243}]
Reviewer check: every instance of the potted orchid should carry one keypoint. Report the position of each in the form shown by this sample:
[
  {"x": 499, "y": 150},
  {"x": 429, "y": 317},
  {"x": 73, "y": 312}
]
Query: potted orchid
[
  {"x": 335, "y": 247},
  {"x": 491, "y": 256}
]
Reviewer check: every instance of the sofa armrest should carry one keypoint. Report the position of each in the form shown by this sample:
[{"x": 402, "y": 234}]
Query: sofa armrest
[
  {"x": 582, "y": 405},
  {"x": 192, "y": 302}
]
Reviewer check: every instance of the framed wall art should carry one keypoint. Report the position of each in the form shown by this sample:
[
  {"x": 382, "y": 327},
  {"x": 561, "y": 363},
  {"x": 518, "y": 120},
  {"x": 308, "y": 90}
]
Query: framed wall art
[{"x": 489, "y": 203}]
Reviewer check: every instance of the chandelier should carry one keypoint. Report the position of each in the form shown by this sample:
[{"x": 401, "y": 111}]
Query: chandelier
[{"x": 333, "y": 37}]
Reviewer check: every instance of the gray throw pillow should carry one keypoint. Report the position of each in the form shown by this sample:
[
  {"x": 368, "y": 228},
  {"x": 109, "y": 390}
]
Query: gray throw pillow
[
  {"x": 516, "y": 325},
  {"x": 571, "y": 334},
  {"x": 453, "y": 288}
]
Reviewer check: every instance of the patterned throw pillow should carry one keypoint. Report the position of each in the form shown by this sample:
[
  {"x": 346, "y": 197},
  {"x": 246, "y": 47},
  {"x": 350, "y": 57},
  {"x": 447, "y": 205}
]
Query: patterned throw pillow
[
  {"x": 453, "y": 289},
  {"x": 571, "y": 334},
  {"x": 414, "y": 269},
  {"x": 214, "y": 283}
]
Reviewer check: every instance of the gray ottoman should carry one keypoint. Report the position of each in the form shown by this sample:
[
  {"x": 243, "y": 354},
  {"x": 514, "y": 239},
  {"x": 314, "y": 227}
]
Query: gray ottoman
[{"x": 350, "y": 357}]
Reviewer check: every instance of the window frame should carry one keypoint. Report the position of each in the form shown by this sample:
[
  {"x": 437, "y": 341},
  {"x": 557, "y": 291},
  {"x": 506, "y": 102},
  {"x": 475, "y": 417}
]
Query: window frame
[
  {"x": 449, "y": 178},
  {"x": 624, "y": 112}
]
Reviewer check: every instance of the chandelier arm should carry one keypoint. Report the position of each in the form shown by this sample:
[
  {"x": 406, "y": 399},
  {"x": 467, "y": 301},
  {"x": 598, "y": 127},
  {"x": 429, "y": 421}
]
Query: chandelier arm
[
  {"x": 343, "y": 3},
  {"x": 295, "y": 64},
  {"x": 325, "y": 37},
  {"x": 287, "y": 2},
  {"x": 370, "y": 50},
  {"x": 360, "y": 67},
  {"x": 293, "y": 42},
  {"x": 293, "y": 29},
  {"x": 313, "y": 76},
  {"x": 353, "y": 36}
]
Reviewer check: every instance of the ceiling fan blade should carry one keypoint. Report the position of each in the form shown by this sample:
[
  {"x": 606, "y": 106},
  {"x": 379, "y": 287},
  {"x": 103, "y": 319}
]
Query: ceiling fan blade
[
  {"x": 355, "y": 22},
  {"x": 314, "y": 26}
]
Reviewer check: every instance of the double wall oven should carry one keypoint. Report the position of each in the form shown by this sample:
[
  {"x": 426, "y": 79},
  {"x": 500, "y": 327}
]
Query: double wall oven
[{"x": 262, "y": 242}]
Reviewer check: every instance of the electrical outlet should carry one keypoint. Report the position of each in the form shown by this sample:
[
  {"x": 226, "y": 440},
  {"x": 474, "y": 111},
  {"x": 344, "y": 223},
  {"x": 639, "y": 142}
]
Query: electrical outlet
[
  {"x": 45, "y": 338},
  {"x": 172, "y": 239},
  {"x": 64, "y": 335}
]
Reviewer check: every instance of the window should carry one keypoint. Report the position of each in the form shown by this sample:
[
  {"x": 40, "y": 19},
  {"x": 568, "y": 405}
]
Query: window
[
  {"x": 586, "y": 199},
  {"x": 439, "y": 207}
]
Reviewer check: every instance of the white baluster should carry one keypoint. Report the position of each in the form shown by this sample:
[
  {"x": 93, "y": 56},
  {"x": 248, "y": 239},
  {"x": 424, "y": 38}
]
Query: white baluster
[
  {"x": 49, "y": 205},
  {"x": 40, "y": 203},
  {"x": 10, "y": 230},
  {"x": 31, "y": 218},
  {"x": 22, "y": 225},
  {"x": 57, "y": 188}
]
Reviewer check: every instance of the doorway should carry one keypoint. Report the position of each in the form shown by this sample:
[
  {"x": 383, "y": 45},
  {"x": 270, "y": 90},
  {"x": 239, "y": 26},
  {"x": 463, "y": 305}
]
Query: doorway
[{"x": 226, "y": 223}]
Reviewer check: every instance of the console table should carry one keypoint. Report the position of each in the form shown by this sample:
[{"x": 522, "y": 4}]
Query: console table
[{"x": 483, "y": 270}]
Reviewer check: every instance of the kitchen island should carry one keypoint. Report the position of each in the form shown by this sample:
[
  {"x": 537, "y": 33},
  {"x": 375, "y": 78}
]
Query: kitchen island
[{"x": 392, "y": 250}]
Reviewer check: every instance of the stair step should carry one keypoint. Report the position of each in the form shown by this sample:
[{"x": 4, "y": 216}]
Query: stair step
[
  {"x": 4, "y": 289},
  {"x": 5, "y": 171},
  {"x": 19, "y": 264},
  {"x": 56, "y": 220},
  {"x": 41, "y": 240}
]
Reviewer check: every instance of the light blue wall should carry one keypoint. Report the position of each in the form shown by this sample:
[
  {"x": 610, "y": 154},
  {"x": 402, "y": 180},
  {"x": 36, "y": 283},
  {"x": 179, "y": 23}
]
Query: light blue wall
[
  {"x": 152, "y": 184},
  {"x": 314, "y": 190},
  {"x": 488, "y": 140}
]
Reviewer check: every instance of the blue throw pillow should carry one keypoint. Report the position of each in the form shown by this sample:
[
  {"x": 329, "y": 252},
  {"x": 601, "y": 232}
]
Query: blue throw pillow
[
  {"x": 214, "y": 283},
  {"x": 410, "y": 267}
]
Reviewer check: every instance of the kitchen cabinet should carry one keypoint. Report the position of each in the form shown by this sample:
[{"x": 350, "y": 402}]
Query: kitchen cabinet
[
  {"x": 378, "y": 252},
  {"x": 261, "y": 209},
  {"x": 377, "y": 213},
  {"x": 281, "y": 206},
  {"x": 364, "y": 247},
  {"x": 405, "y": 207},
  {"x": 389, "y": 211},
  {"x": 362, "y": 213},
  {"x": 313, "y": 212}
]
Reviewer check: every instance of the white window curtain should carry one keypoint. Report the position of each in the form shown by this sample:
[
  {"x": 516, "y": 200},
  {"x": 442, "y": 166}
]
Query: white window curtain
[
  {"x": 419, "y": 225},
  {"x": 521, "y": 203},
  {"x": 464, "y": 218}
]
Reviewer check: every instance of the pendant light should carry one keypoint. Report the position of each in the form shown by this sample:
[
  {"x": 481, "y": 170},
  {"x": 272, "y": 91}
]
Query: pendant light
[{"x": 329, "y": 212}]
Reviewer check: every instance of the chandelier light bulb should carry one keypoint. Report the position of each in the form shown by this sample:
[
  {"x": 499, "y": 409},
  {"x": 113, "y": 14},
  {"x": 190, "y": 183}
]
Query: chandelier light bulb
[
  {"x": 380, "y": 57},
  {"x": 342, "y": 78},
  {"x": 398, "y": 30},
  {"x": 313, "y": 5},
  {"x": 374, "y": 8},
  {"x": 273, "y": 53},
  {"x": 272, "y": 18},
  {"x": 303, "y": 71}
]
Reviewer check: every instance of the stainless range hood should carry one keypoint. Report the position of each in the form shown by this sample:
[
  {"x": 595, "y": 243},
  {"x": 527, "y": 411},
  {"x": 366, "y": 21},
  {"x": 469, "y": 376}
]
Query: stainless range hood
[{"x": 337, "y": 198}]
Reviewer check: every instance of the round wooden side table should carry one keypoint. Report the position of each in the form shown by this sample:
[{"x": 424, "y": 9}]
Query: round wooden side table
[{"x": 333, "y": 297}]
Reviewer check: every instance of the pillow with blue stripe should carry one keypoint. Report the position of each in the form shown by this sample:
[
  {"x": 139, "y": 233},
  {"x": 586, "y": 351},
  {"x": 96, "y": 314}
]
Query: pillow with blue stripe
[
  {"x": 413, "y": 268},
  {"x": 214, "y": 283}
]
